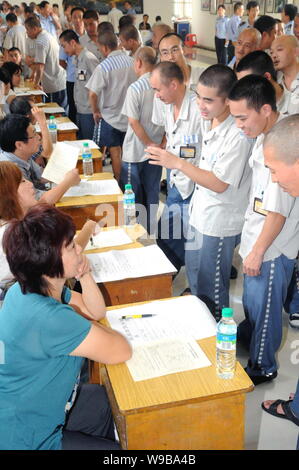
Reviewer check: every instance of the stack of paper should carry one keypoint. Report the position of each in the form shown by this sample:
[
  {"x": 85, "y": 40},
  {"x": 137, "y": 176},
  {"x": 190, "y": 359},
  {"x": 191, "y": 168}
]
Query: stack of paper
[
  {"x": 63, "y": 159},
  {"x": 54, "y": 110},
  {"x": 164, "y": 343},
  {"x": 79, "y": 144},
  {"x": 94, "y": 188},
  {"x": 124, "y": 264}
]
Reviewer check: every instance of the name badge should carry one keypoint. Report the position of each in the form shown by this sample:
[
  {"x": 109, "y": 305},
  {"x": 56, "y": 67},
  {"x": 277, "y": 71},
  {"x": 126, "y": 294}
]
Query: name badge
[
  {"x": 82, "y": 75},
  {"x": 187, "y": 151},
  {"x": 258, "y": 207}
]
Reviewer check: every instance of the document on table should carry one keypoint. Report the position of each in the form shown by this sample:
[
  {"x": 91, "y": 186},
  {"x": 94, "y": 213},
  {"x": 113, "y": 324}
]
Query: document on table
[
  {"x": 28, "y": 91},
  {"x": 185, "y": 317},
  {"x": 108, "y": 238},
  {"x": 79, "y": 144},
  {"x": 94, "y": 188},
  {"x": 61, "y": 126},
  {"x": 132, "y": 263},
  {"x": 164, "y": 357},
  {"x": 63, "y": 159},
  {"x": 53, "y": 110}
]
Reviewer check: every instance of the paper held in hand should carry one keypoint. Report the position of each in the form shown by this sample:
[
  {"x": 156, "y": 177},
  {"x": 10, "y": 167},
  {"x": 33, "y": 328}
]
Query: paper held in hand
[{"x": 63, "y": 159}]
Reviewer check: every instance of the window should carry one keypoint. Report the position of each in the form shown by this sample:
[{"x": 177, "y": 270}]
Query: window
[{"x": 182, "y": 8}]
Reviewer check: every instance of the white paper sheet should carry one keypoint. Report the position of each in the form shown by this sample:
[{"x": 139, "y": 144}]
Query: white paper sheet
[
  {"x": 131, "y": 263},
  {"x": 63, "y": 159},
  {"x": 108, "y": 238},
  {"x": 164, "y": 357},
  {"x": 28, "y": 92},
  {"x": 79, "y": 144},
  {"x": 55, "y": 110},
  {"x": 61, "y": 126},
  {"x": 94, "y": 188},
  {"x": 185, "y": 317}
]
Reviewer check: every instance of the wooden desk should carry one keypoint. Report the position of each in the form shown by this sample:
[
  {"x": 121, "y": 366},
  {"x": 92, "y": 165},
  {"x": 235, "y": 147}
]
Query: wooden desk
[
  {"x": 192, "y": 410},
  {"x": 51, "y": 105},
  {"x": 94, "y": 207},
  {"x": 66, "y": 134}
]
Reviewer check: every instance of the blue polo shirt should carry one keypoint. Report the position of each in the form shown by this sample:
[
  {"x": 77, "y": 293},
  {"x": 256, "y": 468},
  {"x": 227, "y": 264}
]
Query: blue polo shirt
[{"x": 37, "y": 375}]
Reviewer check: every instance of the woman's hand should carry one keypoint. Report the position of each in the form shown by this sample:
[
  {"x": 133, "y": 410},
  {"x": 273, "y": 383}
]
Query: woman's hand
[{"x": 84, "y": 268}]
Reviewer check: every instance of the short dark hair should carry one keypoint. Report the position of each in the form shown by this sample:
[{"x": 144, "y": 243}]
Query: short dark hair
[
  {"x": 4, "y": 76},
  {"x": 289, "y": 10},
  {"x": 125, "y": 20},
  {"x": 91, "y": 14},
  {"x": 158, "y": 18},
  {"x": 256, "y": 90},
  {"x": 20, "y": 105},
  {"x": 43, "y": 4},
  {"x": 33, "y": 22},
  {"x": 237, "y": 6},
  {"x": 169, "y": 71},
  {"x": 13, "y": 49},
  {"x": 129, "y": 32},
  {"x": 169, "y": 35},
  {"x": 221, "y": 6},
  {"x": 12, "y": 68},
  {"x": 29, "y": 10},
  {"x": 265, "y": 24},
  {"x": 33, "y": 247},
  {"x": 11, "y": 17},
  {"x": 13, "y": 128},
  {"x": 109, "y": 40},
  {"x": 105, "y": 27},
  {"x": 79, "y": 9},
  {"x": 252, "y": 4},
  {"x": 259, "y": 62},
  {"x": 68, "y": 35},
  {"x": 220, "y": 77}
]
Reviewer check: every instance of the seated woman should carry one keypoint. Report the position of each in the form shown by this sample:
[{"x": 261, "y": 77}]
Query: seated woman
[
  {"x": 47, "y": 330},
  {"x": 15, "y": 73},
  {"x": 25, "y": 106},
  {"x": 17, "y": 196}
]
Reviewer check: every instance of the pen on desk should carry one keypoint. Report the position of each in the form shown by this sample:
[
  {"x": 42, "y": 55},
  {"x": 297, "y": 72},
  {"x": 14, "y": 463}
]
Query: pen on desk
[
  {"x": 91, "y": 241},
  {"x": 127, "y": 317}
]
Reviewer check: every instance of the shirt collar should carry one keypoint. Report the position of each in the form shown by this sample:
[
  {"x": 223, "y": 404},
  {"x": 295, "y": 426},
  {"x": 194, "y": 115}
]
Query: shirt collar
[
  {"x": 220, "y": 130},
  {"x": 13, "y": 158}
]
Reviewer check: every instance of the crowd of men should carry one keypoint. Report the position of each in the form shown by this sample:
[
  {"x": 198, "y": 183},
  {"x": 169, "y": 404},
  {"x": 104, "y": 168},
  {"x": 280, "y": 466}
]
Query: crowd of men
[{"x": 209, "y": 128}]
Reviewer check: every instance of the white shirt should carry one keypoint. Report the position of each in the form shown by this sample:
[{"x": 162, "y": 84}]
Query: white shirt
[
  {"x": 47, "y": 53},
  {"x": 16, "y": 37},
  {"x": 289, "y": 103},
  {"x": 5, "y": 274},
  {"x": 113, "y": 17},
  {"x": 225, "y": 152},
  {"x": 85, "y": 65},
  {"x": 274, "y": 200},
  {"x": 182, "y": 132},
  {"x": 139, "y": 105},
  {"x": 91, "y": 46},
  {"x": 110, "y": 81}
]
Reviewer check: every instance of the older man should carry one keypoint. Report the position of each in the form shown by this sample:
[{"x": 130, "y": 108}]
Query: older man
[
  {"x": 249, "y": 40},
  {"x": 282, "y": 158},
  {"x": 159, "y": 30}
]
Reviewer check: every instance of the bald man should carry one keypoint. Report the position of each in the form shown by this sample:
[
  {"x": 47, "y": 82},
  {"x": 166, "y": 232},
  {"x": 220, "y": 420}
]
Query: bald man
[
  {"x": 249, "y": 40},
  {"x": 282, "y": 158},
  {"x": 284, "y": 50},
  {"x": 159, "y": 30}
]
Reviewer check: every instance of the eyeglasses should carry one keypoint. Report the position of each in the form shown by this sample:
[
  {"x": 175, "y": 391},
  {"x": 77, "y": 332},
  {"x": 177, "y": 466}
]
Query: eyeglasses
[
  {"x": 32, "y": 137},
  {"x": 174, "y": 50}
]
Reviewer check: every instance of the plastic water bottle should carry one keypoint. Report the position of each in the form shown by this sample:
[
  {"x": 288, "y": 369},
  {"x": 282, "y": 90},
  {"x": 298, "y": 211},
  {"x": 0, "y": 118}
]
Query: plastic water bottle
[
  {"x": 87, "y": 160},
  {"x": 52, "y": 126},
  {"x": 129, "y": 205},
  {"x": 226, "y": 345}
]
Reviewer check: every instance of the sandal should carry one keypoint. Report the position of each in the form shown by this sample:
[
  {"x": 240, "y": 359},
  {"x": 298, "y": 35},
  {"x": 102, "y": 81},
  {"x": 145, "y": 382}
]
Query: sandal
[{"x": 288, "y": 414}]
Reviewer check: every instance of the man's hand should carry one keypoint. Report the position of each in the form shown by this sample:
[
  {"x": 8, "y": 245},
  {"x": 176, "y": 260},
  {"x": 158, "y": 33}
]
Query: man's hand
[
  {"x": 161, "y": 157},
  {"x": 72, "y": 177},
  {"x": 97, "y": 117},
  {"x": 39, "y": 115},
  {"x": 252, "y": 264}
]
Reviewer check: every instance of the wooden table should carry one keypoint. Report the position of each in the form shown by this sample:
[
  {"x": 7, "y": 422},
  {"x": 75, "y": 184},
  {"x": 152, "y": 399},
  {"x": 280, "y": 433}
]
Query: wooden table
[
  {"x": 94, "y": 207},
  {"x": 51, "y": 105},
  {"x": 192, "y": 410},
  {"x": 97, "y": 158},
  {"x": 65, "y": 134}
]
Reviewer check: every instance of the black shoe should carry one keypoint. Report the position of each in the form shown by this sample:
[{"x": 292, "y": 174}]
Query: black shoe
[
  {"x": 259, "y": 379},
  {"x": 233, "y": 273}
]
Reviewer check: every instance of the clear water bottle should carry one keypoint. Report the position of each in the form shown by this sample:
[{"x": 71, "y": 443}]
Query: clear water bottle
[
  {"x": 87, "y": 160},
  {"x": 226, "y": 337},
  {"x": 129, "y": 205},
  {"x": 52, "y": 126}
]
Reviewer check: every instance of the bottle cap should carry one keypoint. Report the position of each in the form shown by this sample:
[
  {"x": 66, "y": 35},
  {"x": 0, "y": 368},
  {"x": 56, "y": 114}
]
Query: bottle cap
[
  {"x": 128, "y": 186},
  {"x": 227, "y": 312},
  {"x": 85, "y": 144},
  {"x": 52, "y": 117}
]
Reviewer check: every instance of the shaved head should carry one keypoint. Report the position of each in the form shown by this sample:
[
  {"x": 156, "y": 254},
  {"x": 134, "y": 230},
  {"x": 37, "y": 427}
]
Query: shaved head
[
  {"x": 286, "y": 40},
  {"x": 146, "y": 54},
  {"x": 283, "y": 138},
  {"x": 284, "y": 51}
]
